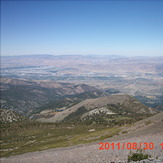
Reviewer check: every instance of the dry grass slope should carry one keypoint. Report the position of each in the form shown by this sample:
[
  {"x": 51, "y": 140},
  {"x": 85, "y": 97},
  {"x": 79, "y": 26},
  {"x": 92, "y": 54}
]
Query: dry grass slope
[{"x": 123, "y": 100}]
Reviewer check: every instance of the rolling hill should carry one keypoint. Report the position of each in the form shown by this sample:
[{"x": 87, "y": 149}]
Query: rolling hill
[
  {"x": 108, "y": 109},
  {"x": 23, "y": 96}
]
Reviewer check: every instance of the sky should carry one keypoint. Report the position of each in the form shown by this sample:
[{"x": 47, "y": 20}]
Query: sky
[{"x": 101, "y": 27}]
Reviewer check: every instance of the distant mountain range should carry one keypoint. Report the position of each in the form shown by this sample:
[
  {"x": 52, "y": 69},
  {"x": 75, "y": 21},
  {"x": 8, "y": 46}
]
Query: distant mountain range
[
  {"x": 140, "y": 77},
  {"x": 34, "y": 98},
  {"x": 24, "y": 96}
]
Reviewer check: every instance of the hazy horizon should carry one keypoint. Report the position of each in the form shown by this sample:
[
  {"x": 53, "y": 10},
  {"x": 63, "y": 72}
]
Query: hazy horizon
[{"x": 82, "y": 55}]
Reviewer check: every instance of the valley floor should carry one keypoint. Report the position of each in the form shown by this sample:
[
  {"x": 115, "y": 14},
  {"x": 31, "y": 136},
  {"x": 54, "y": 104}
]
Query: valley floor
[{"x": 148, "y": 130}]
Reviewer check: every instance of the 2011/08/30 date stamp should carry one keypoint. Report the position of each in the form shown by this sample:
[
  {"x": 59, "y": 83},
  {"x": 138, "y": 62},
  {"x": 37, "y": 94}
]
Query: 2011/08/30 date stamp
[{"x": 128, "y": 145}]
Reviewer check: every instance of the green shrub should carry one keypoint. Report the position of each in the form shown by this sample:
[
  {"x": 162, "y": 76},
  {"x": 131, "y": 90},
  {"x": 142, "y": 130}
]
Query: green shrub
[
  {"x": 137, "y": 156},
  {"x": 148, "y": 122},
  {"x": 124, "y": 132}
]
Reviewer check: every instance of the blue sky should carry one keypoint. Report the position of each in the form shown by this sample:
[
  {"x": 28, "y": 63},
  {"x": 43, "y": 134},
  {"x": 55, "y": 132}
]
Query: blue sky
[{"x": 132, "y": 28}]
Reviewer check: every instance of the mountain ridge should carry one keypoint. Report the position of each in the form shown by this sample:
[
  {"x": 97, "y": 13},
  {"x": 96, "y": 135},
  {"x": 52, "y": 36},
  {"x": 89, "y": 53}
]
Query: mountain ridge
[
  {"x": 24, "y": 95},
  {"x": 117, "y": 104}
]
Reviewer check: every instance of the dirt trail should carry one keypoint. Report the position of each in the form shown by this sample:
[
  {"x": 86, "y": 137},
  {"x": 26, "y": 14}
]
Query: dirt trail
[{"x": 90, "y": 153}]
